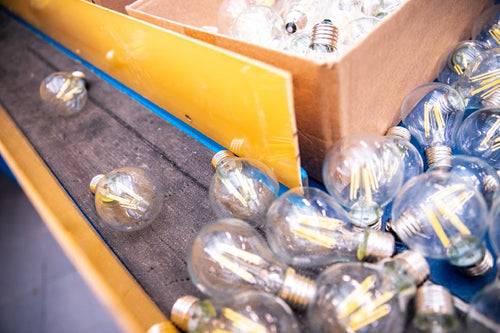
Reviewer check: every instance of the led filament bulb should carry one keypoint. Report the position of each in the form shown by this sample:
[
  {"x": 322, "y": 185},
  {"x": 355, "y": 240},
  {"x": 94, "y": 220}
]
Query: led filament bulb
[
  {"x": 480, "y": 84},
  {"x": 323, "y": 39},
  {"x": 410, "y": 157},
  {"x": 479, "y": 135},
  {"x": 363, "y": 172},
  {"x": 248, "y": 312},
  {"x": 356, "y": 30},
  {"x": 360, "y": 297},
  {"x": 260, "y": 25},
  {"x": 432, "y": 113},
  {"x": 307, "y": 228},
  {"x": 487, "y": 27},
  {"x": 66, "y": 92},
  {"x": 230, "y": 256},
  {"x": 443, "y": 217},
  {"x": 484, "y": 310},
  {"x": 242, "y": 187},
  {"x": 476, "y": 172},
  {"x": 457, "y": 61},
  {"x": 435, "y": 311},
  {"x": 127, "y": 198}
]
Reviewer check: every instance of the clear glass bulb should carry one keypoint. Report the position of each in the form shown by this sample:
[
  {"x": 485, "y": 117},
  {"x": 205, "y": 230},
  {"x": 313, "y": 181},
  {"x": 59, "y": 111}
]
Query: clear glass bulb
[
  {"x": 242, "y": 187},
  {"x": 456, "y": 62},
  {"x": 486, "y": 28},
  {"x": 356, "y": 30},
  {"x": 480, "y": 84},
  {"x": 412, "y": 160},
  {"x": 65, "y": 92},
  {"x": 260, "y": 25},
  {"x": 228, "y": 12},
  {"x": 494, "y": 227},
  {"x": 360, "y": 297},
  {"x": 435, "y": 311},
  {"x": 307, "y": 228},
  {"x": 298, "y": 43},
  {"x": 380, "y": 8},
  {"x": 432, "y": 113},
  {"x": 304, "y": 14},
  {"x": 127, "y": 198},
  {"x": 363, "y": 172},
  {"x": 484, "y": 310},
  {"x": 475, "y": 171},
  {"x": 229, "y": 256},
  {"x": 247, "y": 312},
  {"x": 443, "y": 217},
  {"x": 479, "y": 135}
]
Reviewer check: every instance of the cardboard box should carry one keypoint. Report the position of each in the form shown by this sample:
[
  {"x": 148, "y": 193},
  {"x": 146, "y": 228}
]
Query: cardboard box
[{"x": 361, "y": 91}]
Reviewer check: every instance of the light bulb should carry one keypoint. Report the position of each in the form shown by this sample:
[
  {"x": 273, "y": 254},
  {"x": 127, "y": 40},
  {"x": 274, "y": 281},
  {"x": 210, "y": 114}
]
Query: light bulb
[
  {"x": 356, "y": 30},
  {"x": 229, "y": 256},
  {"x": 307, "y": 228},
  {"x": 410, "y": 156},
  {"x": 432, "y": 113},
  {"x": 127, "y": 198},
  {"x": 298, "y": 43},
  {"x": 456, "y": 62},
  {"x": 66, "y": 92},
  {"x": 494, "y": 228},
  {"x": 475, "y": 171},
  {"x": 248, "y": 312},
  {"x": 323, "y": 40},
  {"x": 480, "y": 84},
  {"x": 443, "y": 217},
  {"x": 363, "y": 172},
  {"x": 260, "y": 25},
  {"x": 380, "y": 8},
  {"x": 230, "y": 9},
  {"x": 435, "y": 311},
  {"x": 484, "y": 310},
  {"x": 242, "y": 187},
  {"x": 304, "y": 14},
  {"x": 360, "y": 297},
  {"x": 486, "y": 28},
  {"x": 479, "y": 135}
]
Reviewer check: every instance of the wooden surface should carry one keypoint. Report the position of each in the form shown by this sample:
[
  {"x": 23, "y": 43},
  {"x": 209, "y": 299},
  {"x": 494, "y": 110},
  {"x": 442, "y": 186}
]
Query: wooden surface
[{"x": 112, "y": 131}]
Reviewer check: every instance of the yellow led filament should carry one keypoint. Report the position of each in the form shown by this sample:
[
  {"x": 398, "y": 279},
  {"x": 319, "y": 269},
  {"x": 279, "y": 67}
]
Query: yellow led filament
[
  {"x": 308, "y": 229},
  {"x": 241, "y": 323},
  {"x": 489, "y": 82},
  {"x": 235, "y": 260},
  {"x": 438, "y": 118},
  {"x": 363, "y": 177}
]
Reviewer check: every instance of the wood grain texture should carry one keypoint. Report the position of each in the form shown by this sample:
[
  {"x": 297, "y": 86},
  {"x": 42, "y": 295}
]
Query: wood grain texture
[{"x": 112, "y": 131}]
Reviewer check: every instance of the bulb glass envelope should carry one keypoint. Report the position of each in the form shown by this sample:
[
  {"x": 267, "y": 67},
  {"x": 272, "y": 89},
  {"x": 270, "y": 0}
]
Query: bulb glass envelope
[{"x": 242, "y": 104}]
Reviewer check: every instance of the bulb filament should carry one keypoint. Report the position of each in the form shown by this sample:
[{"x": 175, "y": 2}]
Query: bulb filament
[
  {"x": 235, "y": 260},
  {"x": 360, "y": 306},
  {"x": 247, "y": 190},
  {"x": 365, "y": 176},
  {"x": 489, "y": 135},
  {"x": 309, "y": 230},
  {"x": 67, "y": 95},
  {"x": 241, "y": 322},
  {"x": 489, "y": 83},
  {"x": 438, "y": 117},
  {"x": 495, "y": 33}
]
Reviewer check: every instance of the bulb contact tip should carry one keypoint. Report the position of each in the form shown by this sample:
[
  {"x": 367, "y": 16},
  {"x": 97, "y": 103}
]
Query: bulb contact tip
[
  {"x": 439, "y": 156},
  {"x": 181, "y": 311},
  {"x": 434, "y": 299},
  {"x": 220, "y": 157},
  {"x": 297, "y": 290},
  {"x": 399, "y": 131},
  {"x": 294, "y": 21},
  {"x": 94, "y": 182},
  {"x": 379, "y": 244},
  {"x": 482, "y": 267},
  {"x": 415, "y": 264}
]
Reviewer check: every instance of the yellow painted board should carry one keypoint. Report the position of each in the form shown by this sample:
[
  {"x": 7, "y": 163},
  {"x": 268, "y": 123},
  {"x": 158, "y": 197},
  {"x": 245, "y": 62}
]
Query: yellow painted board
[
  {"x": 244, "y": 105},
  {"x": 132, "y": 308}
]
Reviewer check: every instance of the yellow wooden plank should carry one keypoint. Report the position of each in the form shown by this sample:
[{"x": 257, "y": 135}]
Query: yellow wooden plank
[
  {"x": 244, "y": 105},
  {"x": 111, "y": 282}
]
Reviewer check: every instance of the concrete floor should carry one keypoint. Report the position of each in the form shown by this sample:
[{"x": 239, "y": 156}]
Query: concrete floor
[{"x": 40, "y": 290}]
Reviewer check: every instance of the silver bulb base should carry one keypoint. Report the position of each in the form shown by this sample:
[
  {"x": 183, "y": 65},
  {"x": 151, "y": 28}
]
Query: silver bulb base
[
  {"x": 415, "y": 264},
  {"x": 297, "y": 290},
  {"x": 376, "y": 226},
  {"x": 434, "y": 299},
  {"x": 163, "y": 327},
  {"x": 94, "y": 182},
  {"x": 399, "y": 132},
  {"x": 406, "y": 226},
  {"x": 325, "y": 33},
  {"x": 379, "y": 244},
  {"x": 482, "y": 267},
  {"x": 221, "y": 156},
  {"x": 181, "y": 311},
  {"x": 439, "y": 156},
  {"x": 295, "y": 20}
]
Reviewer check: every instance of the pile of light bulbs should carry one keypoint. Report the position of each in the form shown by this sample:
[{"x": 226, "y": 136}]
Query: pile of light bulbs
[
  {"x": 329, "y": 254},
  {"x": 314, "y": 28}
]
